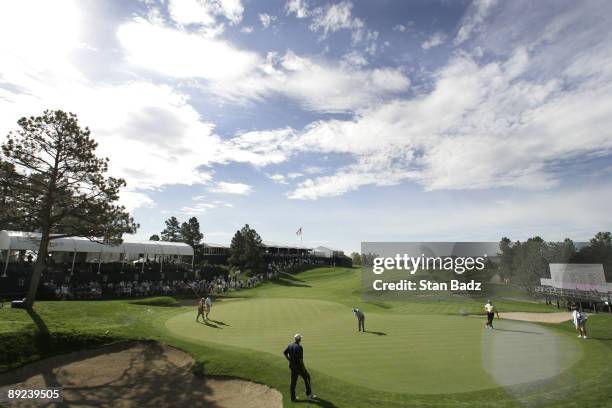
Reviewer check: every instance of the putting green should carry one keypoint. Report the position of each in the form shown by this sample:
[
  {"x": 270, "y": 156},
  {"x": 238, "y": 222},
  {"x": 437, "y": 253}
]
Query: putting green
[{"x": 415, "y": 354}]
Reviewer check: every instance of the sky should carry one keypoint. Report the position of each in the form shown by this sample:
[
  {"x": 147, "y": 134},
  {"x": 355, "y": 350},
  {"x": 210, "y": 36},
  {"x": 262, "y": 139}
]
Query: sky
[{"x": 357, "y": 121}]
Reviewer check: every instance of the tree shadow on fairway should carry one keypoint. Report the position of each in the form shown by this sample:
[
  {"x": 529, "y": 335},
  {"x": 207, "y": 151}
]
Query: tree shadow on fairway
[
  {"x": 285, "y": 282},
  {"x": 290, "y": 277},
  {"x": 39, "y": 322},
  {"x": 317, "y": 401},
  {"x": 43, "y": 342},
  {"x": 376, "y": 333},
  {"x": 516, "y": 331},
  {"x": 286, "y": 279}
]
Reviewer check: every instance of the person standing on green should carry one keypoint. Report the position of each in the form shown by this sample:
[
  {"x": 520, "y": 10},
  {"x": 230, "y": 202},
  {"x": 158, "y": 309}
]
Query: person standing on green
[
  {"x": 491, "y": 312},
  {"x": 294, "y": 353},
  {"x": 360, "y": 320}
]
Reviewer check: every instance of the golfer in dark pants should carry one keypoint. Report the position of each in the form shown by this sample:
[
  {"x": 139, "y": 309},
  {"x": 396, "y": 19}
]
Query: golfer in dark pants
[
  {"x": 360, "y": 319},
  {"x": 295, "y": 354},
  {"x": 491, "y": 312}
]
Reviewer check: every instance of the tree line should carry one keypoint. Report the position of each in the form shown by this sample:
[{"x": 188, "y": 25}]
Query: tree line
[
  {"x": 246, "y": 252},
  {"x": 526, "y": 262}
]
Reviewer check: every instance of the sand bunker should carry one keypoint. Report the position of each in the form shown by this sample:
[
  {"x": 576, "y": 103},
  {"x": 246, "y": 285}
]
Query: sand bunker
[{"x": 137, "y": 374}]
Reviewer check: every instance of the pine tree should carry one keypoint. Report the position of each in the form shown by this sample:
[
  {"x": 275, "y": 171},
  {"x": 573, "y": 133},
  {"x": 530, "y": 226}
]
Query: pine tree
[
  {"x": 172, "y": 232},
  {"x": 57, "y": 183}
]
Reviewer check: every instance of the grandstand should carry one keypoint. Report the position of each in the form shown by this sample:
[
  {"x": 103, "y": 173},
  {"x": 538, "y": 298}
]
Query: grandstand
[
  {"x": 218, "y": 253},
  {"x": 88, "y": 269},
  {"x": 577, "y": 284},
  {"x": 78, "y": 260}
]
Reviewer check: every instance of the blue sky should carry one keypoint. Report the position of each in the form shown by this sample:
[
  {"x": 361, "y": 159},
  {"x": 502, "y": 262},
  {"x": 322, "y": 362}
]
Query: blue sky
[{"x": 355, "y": 120}]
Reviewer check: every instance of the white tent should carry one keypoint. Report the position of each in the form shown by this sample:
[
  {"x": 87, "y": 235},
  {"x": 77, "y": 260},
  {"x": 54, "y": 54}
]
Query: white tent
[
  {"x": 270, "y": 244},
  {"x": 19, "y": 241}
]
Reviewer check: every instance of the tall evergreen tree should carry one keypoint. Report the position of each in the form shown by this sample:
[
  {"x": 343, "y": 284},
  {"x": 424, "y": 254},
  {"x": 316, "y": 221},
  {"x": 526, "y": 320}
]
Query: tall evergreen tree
[
  {"x": 506, "y": 260},
  {"x": 356, "y": 258},
  {"x": 57, "y": 182},
  {"x": 247, "y": 251},
  {"x": 172, "y": 232},
  {"x": 190, "y": 231}
]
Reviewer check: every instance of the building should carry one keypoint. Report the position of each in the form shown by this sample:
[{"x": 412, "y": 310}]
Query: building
[
  {"x": 577, "y": 284},
  {"x": 328, "y": 252}
]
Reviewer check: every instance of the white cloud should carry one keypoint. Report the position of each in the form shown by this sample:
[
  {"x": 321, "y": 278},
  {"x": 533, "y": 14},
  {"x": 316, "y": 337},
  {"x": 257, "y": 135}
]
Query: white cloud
[
  {"x": 242, "y": 76},
  {"x": 284, "y": 178},
  {"x": 223, "y": 187},
  {"x": 481, "y": 126},
  {"x": 202, "y": 205},
  {"x": 368, "y": 38},
  {"x": 152, "y": 134},
  {"x": 355, "y": 59},
  {"x": 473, "y": 20},
  {"x": 205, "y": 12},
  {"x": 132, "y": 199},
  {"x": 334, "y": 17},
  {"x": 434, "y": 40},
  {"x": 266, "y": 19},
  {"x": 246, "y": 29},
  {"x": 298, "y": 7},
  {"x": 182, "y": 55},
  {"x": 197, "y": 209},
  {"x": 317, "y": 85},
  {"x": 259, "y": 148}
]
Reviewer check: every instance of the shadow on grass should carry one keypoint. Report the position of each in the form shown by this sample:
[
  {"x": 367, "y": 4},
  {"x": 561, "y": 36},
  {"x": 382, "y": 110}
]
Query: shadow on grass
[
  {"x": 43, "y": 338},
  {"x": 285, "y": 282},
  {"x": 207, "y": 323},
  {"x": 317, "y": 401},
  {"x": 516, "y": 331},
  {"x": 376, "y": 333},
  {"x": 290, "y": 277},
  {"x": 41, "y": 326},
  {"x": 218, "y": 322}
]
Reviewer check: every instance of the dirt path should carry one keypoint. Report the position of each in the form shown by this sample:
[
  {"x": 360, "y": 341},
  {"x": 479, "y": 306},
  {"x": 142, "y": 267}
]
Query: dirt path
[
  {"x": 557, "y": 317},
  {"x": 137, "y": 374}
]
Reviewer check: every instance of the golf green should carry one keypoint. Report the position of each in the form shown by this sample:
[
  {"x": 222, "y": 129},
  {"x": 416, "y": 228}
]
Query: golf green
[{"x": 401, "y": 353}]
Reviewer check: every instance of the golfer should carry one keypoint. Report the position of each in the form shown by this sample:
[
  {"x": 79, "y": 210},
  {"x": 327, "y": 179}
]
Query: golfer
[
  {"x": 360, "y": 320},
  {"x": 580, "y": 319},
  {"x": 491, "y": 312},
  {"x": 200, "y": 309},
  {"x": 207, "y": 306},
  {"x": 295, "y": 355}
]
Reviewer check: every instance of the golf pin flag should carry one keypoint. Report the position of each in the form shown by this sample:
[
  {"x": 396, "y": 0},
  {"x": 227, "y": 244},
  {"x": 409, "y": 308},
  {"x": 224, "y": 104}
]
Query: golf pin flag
[{"x": 299, "y": 232}]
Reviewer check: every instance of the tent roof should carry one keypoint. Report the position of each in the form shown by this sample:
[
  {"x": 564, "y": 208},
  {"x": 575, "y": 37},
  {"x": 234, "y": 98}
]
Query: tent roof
[
  {"x": 20, "y": 240},
  {"x": 324, "y": 248},
  {"x": 270, "y": 244}
]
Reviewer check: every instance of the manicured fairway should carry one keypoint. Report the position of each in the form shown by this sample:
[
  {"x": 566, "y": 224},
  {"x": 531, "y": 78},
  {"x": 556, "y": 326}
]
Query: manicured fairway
[
  {"x": 404, "y": 353},
  {"x": 427, "y": 352}
]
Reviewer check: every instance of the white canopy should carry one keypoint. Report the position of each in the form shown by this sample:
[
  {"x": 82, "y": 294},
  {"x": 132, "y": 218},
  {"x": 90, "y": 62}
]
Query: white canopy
[
  {"x": 270, "y": 244},
  {"x": 18, "y": 240}
]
